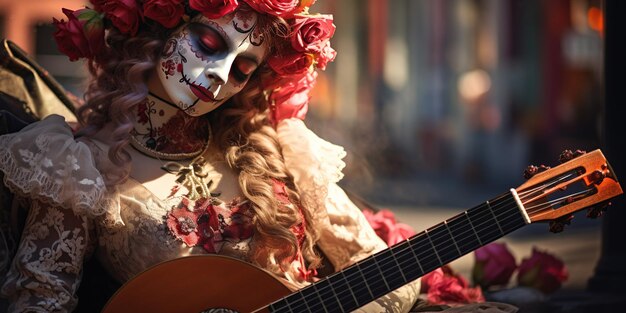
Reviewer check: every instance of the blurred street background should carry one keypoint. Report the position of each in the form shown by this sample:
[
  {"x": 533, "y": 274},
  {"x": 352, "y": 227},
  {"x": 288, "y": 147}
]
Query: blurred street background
[{"x": 441, "y": 104}]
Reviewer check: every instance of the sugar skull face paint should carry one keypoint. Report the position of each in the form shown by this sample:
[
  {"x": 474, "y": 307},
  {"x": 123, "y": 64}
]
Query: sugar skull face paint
[{"x": 206, "y": 62}]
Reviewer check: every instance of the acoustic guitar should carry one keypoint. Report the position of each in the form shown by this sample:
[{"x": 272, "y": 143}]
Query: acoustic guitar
[{"x": 218, "y": 284}]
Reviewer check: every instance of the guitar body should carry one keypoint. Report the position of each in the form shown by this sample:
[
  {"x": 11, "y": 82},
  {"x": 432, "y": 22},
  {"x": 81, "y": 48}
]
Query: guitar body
[{"x": 198, "y": 284}]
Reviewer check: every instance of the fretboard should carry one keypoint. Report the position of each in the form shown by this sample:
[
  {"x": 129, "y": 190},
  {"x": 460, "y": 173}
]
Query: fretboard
[{"x": 406, "y": 261}]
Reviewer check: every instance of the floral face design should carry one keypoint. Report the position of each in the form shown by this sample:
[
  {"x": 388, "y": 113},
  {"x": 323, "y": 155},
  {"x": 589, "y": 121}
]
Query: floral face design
[{"x": 207, "y": 61}]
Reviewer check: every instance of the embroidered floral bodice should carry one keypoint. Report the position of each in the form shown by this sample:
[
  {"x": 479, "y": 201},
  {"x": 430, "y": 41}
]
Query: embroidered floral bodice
[{"x": 74, "y": 216}]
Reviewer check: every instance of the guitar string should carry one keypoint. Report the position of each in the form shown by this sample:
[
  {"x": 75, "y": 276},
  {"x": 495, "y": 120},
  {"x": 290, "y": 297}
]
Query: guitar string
[
  {"x": 364, "y": 271},
  {"x": 393, "y": 255},
  {"x": 368, "y": 269}
]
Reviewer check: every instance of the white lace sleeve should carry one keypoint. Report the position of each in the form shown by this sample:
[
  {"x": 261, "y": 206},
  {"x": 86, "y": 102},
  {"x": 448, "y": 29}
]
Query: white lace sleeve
[
  {"x": 345, "y": 234},
  {"x": 45, "y": 162},
  {"x": 46, "y": 269}
]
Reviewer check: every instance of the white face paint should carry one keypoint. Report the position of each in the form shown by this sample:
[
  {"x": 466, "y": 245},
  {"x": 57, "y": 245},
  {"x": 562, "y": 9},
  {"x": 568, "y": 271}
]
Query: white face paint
[{"x": 206, "y": 62}]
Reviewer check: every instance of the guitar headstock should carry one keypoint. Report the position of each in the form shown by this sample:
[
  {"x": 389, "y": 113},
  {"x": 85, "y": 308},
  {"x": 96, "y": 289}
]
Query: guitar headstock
[{"x": 584, "y": 180}]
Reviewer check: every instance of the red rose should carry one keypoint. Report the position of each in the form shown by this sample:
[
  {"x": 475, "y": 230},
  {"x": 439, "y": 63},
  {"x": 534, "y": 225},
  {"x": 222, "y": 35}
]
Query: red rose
[
  {"x": 213, "y": 8},
  {"x": 165, "y": 12},
  {"x": 291, "y": 99},
  {"x": 385, "y": 225},
  {"x": 282, "y": 8},
  {"x": 494, "y": 265},
  {"x": 290, "y": 64},
  {"x": 542, "y": 271},
  {"x": 124, "y": 14},
  {"x": 327, "y": 55},
  {"x": 97, "y": 4},
  {"x": 82, "y": 36},
  {"x": 312, "y": 32},
  {"x": 443, "y": 286}
]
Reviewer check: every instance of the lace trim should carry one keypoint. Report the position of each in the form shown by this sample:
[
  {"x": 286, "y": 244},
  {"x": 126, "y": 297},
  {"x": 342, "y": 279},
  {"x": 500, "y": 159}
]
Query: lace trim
[
  {"x": 314, "y": 163},
  {"x": 44, "y": 162}
]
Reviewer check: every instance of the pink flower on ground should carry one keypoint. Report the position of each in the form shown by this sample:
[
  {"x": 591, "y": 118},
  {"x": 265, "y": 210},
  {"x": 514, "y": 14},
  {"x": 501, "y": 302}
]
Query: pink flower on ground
[
  {"x": 82, "y": 36},
  {"x": 384, "y": 224},
  {"x": 214, "y": 9},
  {"x": 444, "y": 286},
  {"x": 542, "y": 271},
  {"x": 166, "y": 12},
  {"x": 494, "y": 265}
]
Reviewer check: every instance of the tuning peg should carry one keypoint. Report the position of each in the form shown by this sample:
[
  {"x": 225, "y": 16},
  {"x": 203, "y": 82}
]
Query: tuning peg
[
  {"x": 567, "y": 155},
  {"x": 532, "y": 170},
  {"x": 557, "y": 226},
  {"x": 598, "y": 210}
]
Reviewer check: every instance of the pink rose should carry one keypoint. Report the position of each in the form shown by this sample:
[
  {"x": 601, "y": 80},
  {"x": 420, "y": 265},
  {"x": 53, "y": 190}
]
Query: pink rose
[
  {"x": 542, "y": 271},
  {"x": 282, "y": 8},
  {"x": 213, "y": 8},
  {"x": 443, "y": 286},
  {"x": 494, "y": 265},
  {"x": 385, "y": 225},
  {"x": 327, "y": 55},
  {"x": 292, "y": 63},
  {"x": 291, "y": 97},
  {"x": 311, "y": 32},
  {"x": 82, "y": 36},
  {"x": 166, "y": 12},
  {"x": 124, "y": 14}
]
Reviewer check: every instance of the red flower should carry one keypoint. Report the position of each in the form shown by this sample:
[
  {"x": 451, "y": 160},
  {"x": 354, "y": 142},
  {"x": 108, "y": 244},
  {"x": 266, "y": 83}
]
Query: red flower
[
  {"x": 542, "y": 271},
  {"x": 201, "y": 223},
  {"x": 282, "y": 8},
  {"x": 312, "y": 32},
  {"x": 291, "y": 98},
  {"x": 385, "y": 225},
  {"x": 82, "y": 36},
  {"x": 166, "y": 12},
  {"x": 291, "y": 63},
  {"x": 124, "y": 14},
  {"x": 214, "y": 8},
  {"x": 443, "y": 286},
  {"x": 327, "y": 55},
  {"x": 494, "y": 265},
  {"x": 97, "y": 4}
]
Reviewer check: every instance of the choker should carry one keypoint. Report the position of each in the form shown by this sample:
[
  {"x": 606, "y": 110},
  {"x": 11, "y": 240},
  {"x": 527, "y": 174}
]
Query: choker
[{"x": 141, "y": 147}]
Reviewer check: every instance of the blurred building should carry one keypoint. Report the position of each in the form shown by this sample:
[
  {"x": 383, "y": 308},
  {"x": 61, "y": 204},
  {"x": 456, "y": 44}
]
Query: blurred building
[{"x": 475, "y": 89}]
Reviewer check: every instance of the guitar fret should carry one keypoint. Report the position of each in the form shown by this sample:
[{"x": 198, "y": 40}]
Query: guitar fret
[
  {"x": 375, "y": 260},
  {"x": 327, "y": 294},
  {"x": 434, "y": 248},
  {"x": 389, "y": 268},
  {"x": 452, "y": 236},
  {"x": 323, "y": 300},
  {"x": 400, "y": 269},
  {"x": 495, "y": 217},
  {"x": 364, "y": 283},
  {"x": 334, "y": 292},
  {"x": 417, "y": 260},
  {"x": 348, "y": 288},
  {"x": 473, "y": 228},
  {"x": 313, "y": 305},
  {"x": 465, "y": 240},
  {"x": 441, "y": 240},
  {"x": 406, "y": 260}
]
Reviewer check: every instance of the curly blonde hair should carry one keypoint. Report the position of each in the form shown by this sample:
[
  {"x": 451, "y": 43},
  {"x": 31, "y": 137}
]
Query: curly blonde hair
[{"x": 241, "y": 130}]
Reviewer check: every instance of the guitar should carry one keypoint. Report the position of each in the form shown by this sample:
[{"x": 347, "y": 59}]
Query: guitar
[{"x": 197, "y": 284}]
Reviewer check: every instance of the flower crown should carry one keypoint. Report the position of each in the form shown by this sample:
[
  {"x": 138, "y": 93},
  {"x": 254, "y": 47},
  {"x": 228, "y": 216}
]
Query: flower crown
[{"x": 294, "y": 66}]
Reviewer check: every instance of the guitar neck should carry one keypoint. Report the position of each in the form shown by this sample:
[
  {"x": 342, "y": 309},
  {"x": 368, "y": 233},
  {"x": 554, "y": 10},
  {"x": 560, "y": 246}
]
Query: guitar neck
[{"x": 392, "y": 268}]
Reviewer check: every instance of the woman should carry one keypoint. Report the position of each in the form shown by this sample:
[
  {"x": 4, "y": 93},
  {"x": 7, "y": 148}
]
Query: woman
[{"x": 190, "y": 143}]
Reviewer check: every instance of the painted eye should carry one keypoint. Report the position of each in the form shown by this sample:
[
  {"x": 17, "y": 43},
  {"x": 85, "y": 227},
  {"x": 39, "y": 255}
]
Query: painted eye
[
  {"x": 243, "y": 68},
  {"x": 209, "y": 40}
]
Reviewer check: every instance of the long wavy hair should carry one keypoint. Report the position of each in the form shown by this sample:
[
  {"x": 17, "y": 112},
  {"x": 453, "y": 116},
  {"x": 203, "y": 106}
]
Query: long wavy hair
[{"x": 241, "y": 131}]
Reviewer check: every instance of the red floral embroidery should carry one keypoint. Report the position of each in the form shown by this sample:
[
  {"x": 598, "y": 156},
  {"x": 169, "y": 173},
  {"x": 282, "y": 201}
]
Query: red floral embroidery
[{"x": 203, "y": 223}]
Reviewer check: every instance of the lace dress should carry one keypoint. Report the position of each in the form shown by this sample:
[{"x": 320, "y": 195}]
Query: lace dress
[{"x": 74, "y": 216}]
